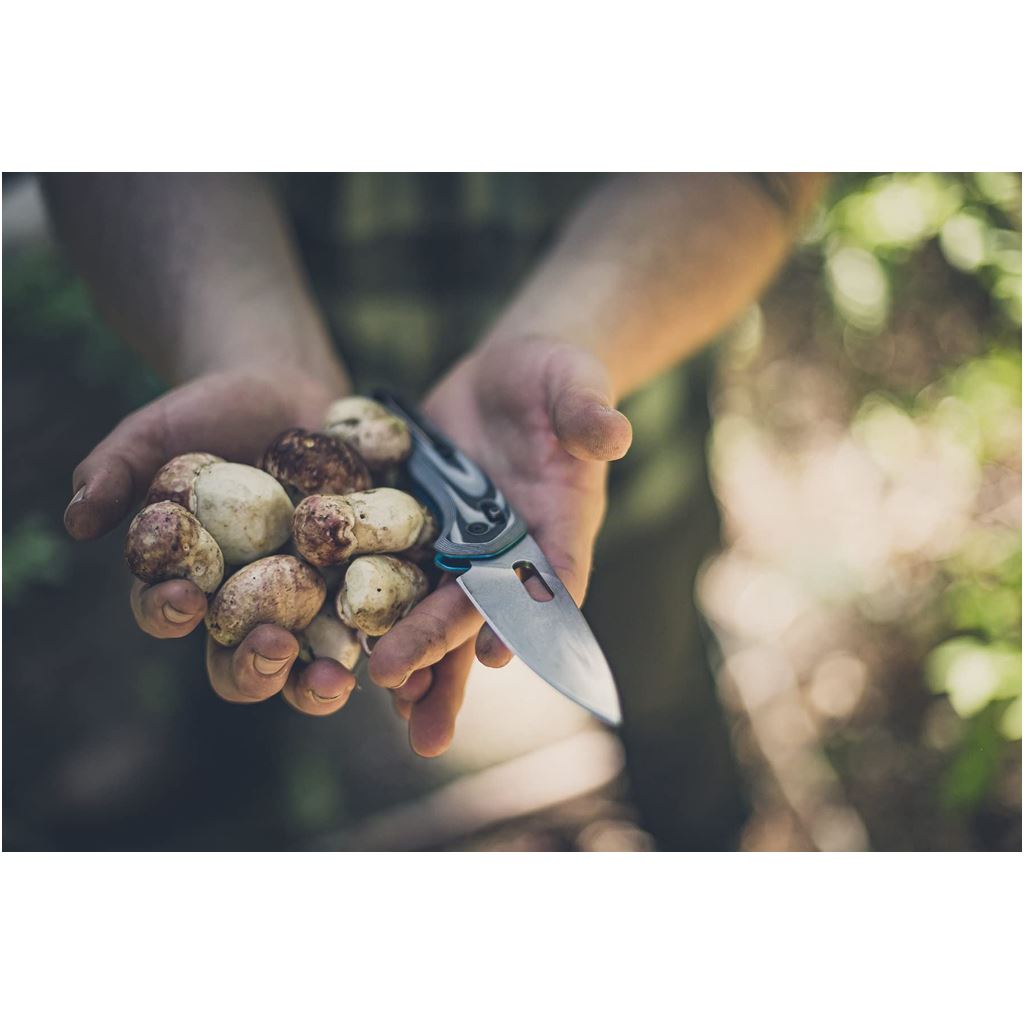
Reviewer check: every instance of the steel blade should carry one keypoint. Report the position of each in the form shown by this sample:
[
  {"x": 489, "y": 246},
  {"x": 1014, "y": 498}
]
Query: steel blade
[{"x": 551, "y": 637}]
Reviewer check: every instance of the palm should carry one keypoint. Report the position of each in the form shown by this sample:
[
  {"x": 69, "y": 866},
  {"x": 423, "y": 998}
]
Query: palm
[
  {"x": 233, "y": 415},
  {"x": 498, "y": 415}
]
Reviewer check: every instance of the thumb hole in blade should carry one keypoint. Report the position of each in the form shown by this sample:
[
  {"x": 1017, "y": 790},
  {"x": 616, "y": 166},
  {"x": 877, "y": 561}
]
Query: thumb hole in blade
[{"x": 532, "y": 581}]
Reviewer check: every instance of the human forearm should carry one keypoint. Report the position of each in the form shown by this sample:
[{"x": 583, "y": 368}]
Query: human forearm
[
  {"x": 196, "y": 271},
  {"x": 652, "y": 266}
]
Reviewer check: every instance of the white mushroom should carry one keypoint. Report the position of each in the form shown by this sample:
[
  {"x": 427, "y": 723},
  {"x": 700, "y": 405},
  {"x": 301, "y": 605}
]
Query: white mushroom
[
  {"x": 378, "y": 590},
  {"x": 246, "y": 510},
  {"x": 327, "y": 637},
  {"x": 381, "y": 437}
]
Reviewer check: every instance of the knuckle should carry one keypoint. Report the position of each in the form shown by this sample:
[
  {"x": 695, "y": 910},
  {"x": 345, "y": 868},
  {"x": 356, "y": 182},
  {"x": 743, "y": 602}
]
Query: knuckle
[
  {"x": 433, "y": 635},
  {"x": 420, "y": 638}
]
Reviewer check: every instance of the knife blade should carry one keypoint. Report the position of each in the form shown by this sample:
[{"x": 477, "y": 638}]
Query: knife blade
[{"x": 485, "y": 542}]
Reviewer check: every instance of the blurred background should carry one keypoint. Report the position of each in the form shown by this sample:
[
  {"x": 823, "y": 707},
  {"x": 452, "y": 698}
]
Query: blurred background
[{"x": 860, "y": 598}]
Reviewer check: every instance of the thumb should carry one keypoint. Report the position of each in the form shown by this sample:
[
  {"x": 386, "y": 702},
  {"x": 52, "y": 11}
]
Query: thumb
[
  {"x": 115, "y": 474},
  {"x": 233, "y": 415},
  {"x": 582, "y": 410}
]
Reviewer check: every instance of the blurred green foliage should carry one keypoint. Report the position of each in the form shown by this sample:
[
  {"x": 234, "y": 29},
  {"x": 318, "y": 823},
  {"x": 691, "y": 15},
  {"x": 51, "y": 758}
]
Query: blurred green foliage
[
  {"x": 45, "y": 298},
  {"x": 33, "y": 553},
  {"x": 873, "y": 229},
  {"x": 45, "y": 301},
  {"x": 868, "y": 237}
]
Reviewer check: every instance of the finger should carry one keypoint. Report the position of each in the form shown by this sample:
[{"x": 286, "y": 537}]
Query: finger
[
  {"x": 432, "y": 720},
  {"x": 254, "y": 670},
  {"x": 415, "y": 687},
  {"x": 167, "y": 610},
  {"x": 113, "y": 477},
  {"x": 441, "y": 622},
  {"x": 320, "y": 689},
  {"x": 490, "y": 651},
  {"x": 569, "y": 552},
  {"x": 582, "y": 410},
  {"x": 489, "y": 648}
]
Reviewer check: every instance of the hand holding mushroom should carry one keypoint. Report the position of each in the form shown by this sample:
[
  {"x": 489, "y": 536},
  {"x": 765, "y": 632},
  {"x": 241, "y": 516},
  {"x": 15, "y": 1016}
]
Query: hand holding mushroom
[
  {"x": 342, "y": 577},
  {"x": 531, "y": 413}
]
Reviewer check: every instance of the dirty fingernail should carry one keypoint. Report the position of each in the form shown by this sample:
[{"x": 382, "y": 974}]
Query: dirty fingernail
[
  {"x": 79, "y": 496},
  {"x": 175, "y": 615},
  {"x": 268, "y": 666}
]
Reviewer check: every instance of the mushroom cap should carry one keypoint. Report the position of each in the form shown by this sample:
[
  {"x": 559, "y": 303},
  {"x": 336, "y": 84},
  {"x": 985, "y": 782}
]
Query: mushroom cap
[
  {"x": 246, "y": 510},
  {"x": 380, "y": 437},
  {"x": 378, "y": 590},
  {"x": 281, "y": 590},
  {"x": 309, "y": 463},
  {"x": 167, "y": 542},
  {"x": 175, "y": 480}
]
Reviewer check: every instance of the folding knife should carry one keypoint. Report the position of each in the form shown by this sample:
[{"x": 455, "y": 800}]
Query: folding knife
[{"x": 484, "y": 541}]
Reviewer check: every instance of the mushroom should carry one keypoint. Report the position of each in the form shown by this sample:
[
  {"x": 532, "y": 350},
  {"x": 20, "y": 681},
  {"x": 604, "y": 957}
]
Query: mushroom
[
  {"x": 380, "y": 437},
  {"x": 280, "y": 589},
  {"x": 176, "y": 479},
  {"x": 378, "y": 590},
  {"x": 167, "y": 542},
  {"x": 327, "y": 637},
  {"x": 246, "y": 510},
  {"x": 308, "y": 463},
  {"x": 328, "y": 529},
  {"x": 422, "y": 549}
]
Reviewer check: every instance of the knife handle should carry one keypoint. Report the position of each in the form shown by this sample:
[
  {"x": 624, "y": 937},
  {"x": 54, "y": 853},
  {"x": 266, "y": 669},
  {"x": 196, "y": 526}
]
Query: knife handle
[{"x": 474, "y": 518}]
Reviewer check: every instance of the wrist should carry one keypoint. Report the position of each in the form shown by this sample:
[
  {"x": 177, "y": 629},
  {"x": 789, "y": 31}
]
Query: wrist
[{"x": 267, "y": 340}]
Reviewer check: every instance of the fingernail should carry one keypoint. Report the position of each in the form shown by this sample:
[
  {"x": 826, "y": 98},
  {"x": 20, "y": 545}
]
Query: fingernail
[
  {"x": 175, "y": 615},
  {"x": 321, "y": 699},
  {"x": 79, "y": 495},
  {"x": 268, "y": 666},
  {"x": 402, "y": 682}
]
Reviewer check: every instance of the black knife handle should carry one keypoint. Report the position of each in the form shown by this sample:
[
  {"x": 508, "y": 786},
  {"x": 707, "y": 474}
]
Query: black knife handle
[{"x": 474, "y": 517}]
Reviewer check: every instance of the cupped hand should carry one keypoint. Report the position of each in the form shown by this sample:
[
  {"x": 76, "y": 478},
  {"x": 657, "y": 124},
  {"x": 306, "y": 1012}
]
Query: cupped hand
[
  {"x": 538, "y": 416},
  {"x": 233, "y": 415}
]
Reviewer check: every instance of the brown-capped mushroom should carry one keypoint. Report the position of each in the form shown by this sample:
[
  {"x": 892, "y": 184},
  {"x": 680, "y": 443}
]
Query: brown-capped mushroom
[
  {"x": 246, "y": 510},
  {"x": 280, "y": 589},
  {"x": 328, "y": 529},
  {"x": 167, "y": 542},
  {"x": 176, "y": 479},
  {"x": 305, "y": 462}
]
